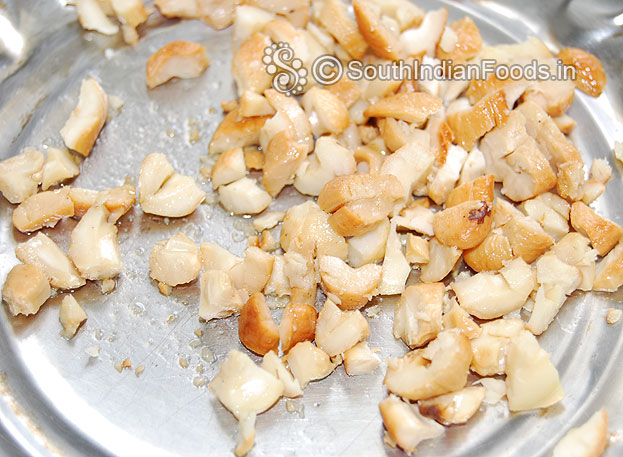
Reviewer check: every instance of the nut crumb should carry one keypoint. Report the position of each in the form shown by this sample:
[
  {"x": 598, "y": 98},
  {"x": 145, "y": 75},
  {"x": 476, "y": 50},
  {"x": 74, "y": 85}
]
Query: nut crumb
[
  {"x": 139, "y": 370},
  {"x": 613, "y": 316},
  {"x": 200, "y": 381},
  {"x": 107, "y": 286},
  {"x": 374, "y": 311},
  {"x": 198, "y": 333},
  {"x": 618, "y": 151},
  {"x": 183, "y": 362},
  {"x": 93, "y": 351},
  {"x": 165, "y": 290}
]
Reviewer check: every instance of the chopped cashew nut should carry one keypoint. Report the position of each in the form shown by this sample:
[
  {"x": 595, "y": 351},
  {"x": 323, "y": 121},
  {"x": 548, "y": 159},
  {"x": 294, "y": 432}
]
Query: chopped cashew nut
[
  {"x": 308, "y": 363},
  {"x": 283, "y": 156},
  {"x": 417, "y": 251},
  {"x": 457, "y": 318},
  {"x": 609, "y": 271},
  {"x": 117, "y": 200},
  {"x": 178, "y": 59},
  {"x": 131, "y": 13},
  {"x": 298, "y": 323},
  {"x": 590, "y": 76},
  {"x": 424, "y": 39},
  {"x": 442, "y": 260},
  {"x": 531, "y": 379},
  {"x": 334, "y": 18},
  {"x": 406, "y": 427},
  {"x": 275, "y": 366},
  {"x": 439, "y": 369},
  {"x": 71, "y": 316},
  {"x": 360, "y": 359},
  {"x": 92, "y": 16},
  {"x": 219, "y": 298},
  {"x": 252, "y": 274},
  {"x": 384, "y": 41},
  {"x": 574, "y": 250},
  {"x": 25, "y": 289},
  {"x": 489, "y": 295},
  {"x": 248, "y": 70},
  {"x": 551, "y": 211},
  {"x": 175, "y": 261},
  {"x": 337, "y": 331},
  {"x": 491, "y": 254},
  {"x": 495, "y": 390},
  {"x": 42, "y": 252},
  {"x": 20, "y": 175},
  {"x": 395, "y": 269},
  {"x": 94, "y": 248},
  {"x": 306, "y": 230},
  {"x": 417, "y": 218},
  {"x": 369, "y": 247},
  {"x": 87, "y": 119},
  {"x": 244, "y": 197},
  {"x": 268, "y": 220},
  {"x": 330, "y": 159},
  {"x": 353, "y": 286},
  {"x": 454, "y": 408},
  {"x": 44, "y": 209},
  {"x": 417, "y": 316},
  {"x": 613, "y": 316},
  {"x": 59, "y": 166},
  {"x": 236, "y": 132},
  {"x": 256, "y": 327},
  {"x": 253, "y": 104},
  {"x": 326, "y": 112},
  {"x": 215, "y": 257},
  {"x": 556, "y": 281},
  {"x": 447, "y": 176},
  {"x": 229, "y": 167},
  {"x": 604, "y": 234},
  {"x": 164, "y": 192},
  {"x": 245, "y": 390},
  {"x": 465, "y": 225},
  {"x": 414, "y": 107},
  {"x": 588, "y": 440},
  {"x": 491, "y": 346}
]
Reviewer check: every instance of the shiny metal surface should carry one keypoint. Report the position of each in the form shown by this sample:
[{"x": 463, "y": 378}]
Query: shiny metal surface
[{"x": 56, "y": 400}]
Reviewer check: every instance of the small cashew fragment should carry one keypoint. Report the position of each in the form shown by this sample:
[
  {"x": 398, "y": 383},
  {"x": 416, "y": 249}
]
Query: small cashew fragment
[
  {"x": 256, "y": 328},
  {"x": 253, "y": 104},
  {"x": 454, "y": 408},
  {"x": 457, "y": 318},
  {"x": 306, "y": 230},
  {"x": 383, "y": 41},
  {"x": 71, "y": 316},
  {"x": 337, "y": 331},
  {"x": 470, "y": 125},
  {"x": 298, "y": 323},
  {"x": 414, "y": 107},
  {"x": 131, "y": 14},
  {"x": 551, "y": 211},
  {"x": 308, "y": 363},
  {"x": 591, "y": 77},
  {"x": 247, "y": 68},
  {"x": 268, "y": 220},
  {"x": 440, "y": 368},
  {"x": 326, "y": 112},
  {"x": 275, "y": 366},
  {"x": 448, "y": 174},
  {"x": 229, "y": 167},
  {"x": 369, "y": 247},
  {"x": 489, "y": 295},
  {"x": 442, "y": 260},
  {"x": 301, "y": 272},
  {"x": 175, "y": 260},
  {"x": 25, "y": 289},
  {"x": 44, "y": 209},
  {"x": 245, "y": 390},
  {"x": 244, "y": 197},
  {"x": 406, "y": 427},
  {"x": 334, "y": 18},
  {"x": 188, "y": 9},
  {"x": 87, "y": 119},
  {"x": 588, "y": 440},
  {"x": 219, "y": 298},
  {"x": 44, "y": 253},
  {"x": 283, "y": 155},
  {"x": 480, "y": 189},
  {"x": 609, "y": 270},
  {"x": 531, "y": 379},
  {"x": 491, "y": 346},
  {"x": 330, "y": 159},
  {"x": 94, "y": 248},
  {"x": 92, "y": 16},
  {"x": 21, "y": 174},
  {"x": 417, "y": 251},
  {"x": 345, "y": 189},
  {"x": 360, "y": 359},
  {"x": 417, "y": 316},
  {"x": 395, "y": 270},
  {"x": 236, "y": 132},
  {"x": 424, "y": 39},
  {"x": 490, "y": 255},
  {"x": 604, "y": 234},
  {"x": 468, "y": 43},
  {"x": 215, "y": 257},
  {"x": 417, "y": 218},
  {"x": 574, "y": 250},
  {"x": 164, "y": 192},
  {"x": 59, "y": 166},
  {"x": 117, "y": 200},
  {"x": 353, "y": 286},
  {"x": 556, "y": 280},
  {"x": 178, "y": 59},
  {"x": 252, "y": 274},
  {"x": 465, "y": 225}
]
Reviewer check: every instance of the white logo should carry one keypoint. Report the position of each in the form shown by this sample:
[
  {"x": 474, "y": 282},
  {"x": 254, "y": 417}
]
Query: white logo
[{"x": 289, "y": 75}]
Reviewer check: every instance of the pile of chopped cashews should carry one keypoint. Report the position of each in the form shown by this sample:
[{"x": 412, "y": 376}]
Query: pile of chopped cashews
[{"x": 401, "y": 177}]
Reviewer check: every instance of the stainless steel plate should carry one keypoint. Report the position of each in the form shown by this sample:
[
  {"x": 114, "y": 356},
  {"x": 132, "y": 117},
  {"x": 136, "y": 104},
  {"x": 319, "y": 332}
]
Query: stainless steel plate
[{"x": 57, "y": 400}]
